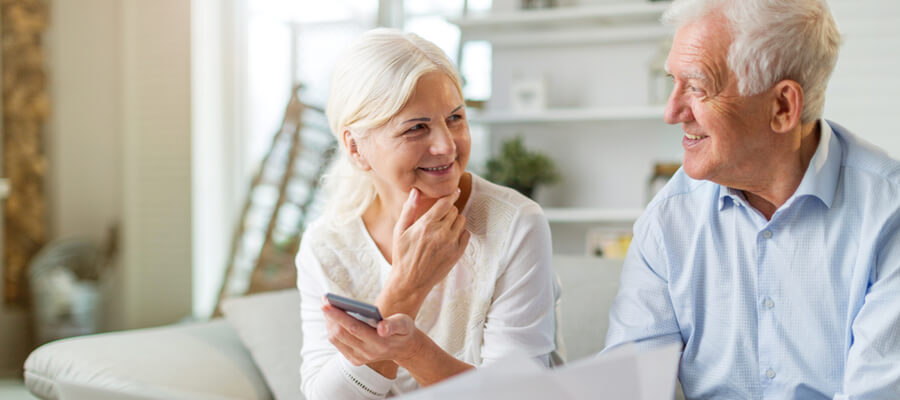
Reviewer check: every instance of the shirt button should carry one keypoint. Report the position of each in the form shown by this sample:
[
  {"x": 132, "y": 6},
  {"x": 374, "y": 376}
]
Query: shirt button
[
  {"x": 767, "y": 234},
  {"x": 770, "y": 373},
  {"x": 769, "y": 303}
]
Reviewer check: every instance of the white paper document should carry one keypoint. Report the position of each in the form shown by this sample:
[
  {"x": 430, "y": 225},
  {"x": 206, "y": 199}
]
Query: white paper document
[{"x": 623, "y": 374}]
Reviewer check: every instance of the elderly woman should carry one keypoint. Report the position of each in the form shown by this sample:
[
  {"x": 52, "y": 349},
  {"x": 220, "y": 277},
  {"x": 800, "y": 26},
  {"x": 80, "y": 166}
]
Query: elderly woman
[{"x": 458, "y": 266}]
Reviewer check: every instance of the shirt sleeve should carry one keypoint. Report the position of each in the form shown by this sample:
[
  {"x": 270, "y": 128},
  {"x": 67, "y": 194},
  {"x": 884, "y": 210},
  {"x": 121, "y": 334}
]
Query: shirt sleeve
[
  {"x": 642, "y": 311},
  {"x": 324, "y": 372},
  {"x": 521, "y": 317},
  {"x": 873, "y": 361}
]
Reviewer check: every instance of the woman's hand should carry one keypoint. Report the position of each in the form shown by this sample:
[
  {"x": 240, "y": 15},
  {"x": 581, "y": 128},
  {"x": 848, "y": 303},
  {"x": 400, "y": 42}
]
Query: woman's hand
[
  {"x": 423, "y": 253},
  {"x": 396, "y": 338}
]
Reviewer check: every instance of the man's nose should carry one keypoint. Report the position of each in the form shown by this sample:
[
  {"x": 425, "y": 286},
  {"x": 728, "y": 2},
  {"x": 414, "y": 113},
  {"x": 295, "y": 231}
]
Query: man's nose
[{"x": 677, "y": 107}]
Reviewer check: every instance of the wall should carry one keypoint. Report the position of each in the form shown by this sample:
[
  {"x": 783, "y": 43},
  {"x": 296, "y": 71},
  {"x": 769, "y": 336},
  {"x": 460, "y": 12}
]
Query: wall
[
  {"x": 218, "y": 73},
  {"x": 156, "y": 168},
  {"x": 864, "y": 92},
  {"x": 119, "y": 150},
  {"x": 119, "y": 146}
]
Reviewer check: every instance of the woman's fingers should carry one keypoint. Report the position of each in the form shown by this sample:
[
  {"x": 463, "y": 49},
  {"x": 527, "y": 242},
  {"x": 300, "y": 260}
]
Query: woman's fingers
[
  {"x": 407, "y": 213},
  {"x": 397, "y": 324},
  {"x": 358, "y": 342},
  {"x": 349, "y": 352},
  {"x": 364, "y": 345},
  {"x": 459, "y": 225},
  {"x": 450, "y": 217},
  {"x": 353, "y": 326},
  {"x": 463, "y": 241},
  {"x": 440, "y": 208}
]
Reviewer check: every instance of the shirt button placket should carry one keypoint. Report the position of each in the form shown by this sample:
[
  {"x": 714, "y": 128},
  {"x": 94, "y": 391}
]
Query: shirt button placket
[{"x": 766, "y": 315}]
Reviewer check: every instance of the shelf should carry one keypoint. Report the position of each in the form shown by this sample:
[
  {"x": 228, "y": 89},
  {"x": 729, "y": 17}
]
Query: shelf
[
  {"x": 639, "y": 113},
  {"x": 592, "y": 215},
  {"x": 565, "y": 17},
  {"x": 572, "y": 37}
]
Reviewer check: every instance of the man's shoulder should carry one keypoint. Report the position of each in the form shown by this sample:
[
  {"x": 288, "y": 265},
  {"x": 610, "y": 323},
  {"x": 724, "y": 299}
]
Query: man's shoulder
[
  {"x": 867, "y": 160},
  {"x": 683, "y": 189},
  {"x": 682, "y": 202}
]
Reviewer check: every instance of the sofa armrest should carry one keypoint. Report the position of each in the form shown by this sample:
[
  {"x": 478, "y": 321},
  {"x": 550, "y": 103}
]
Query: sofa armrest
[{"x": 196, "y": 360}]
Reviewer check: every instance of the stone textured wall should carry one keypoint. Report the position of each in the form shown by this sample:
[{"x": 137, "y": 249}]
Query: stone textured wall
[{"x": 25, "y": 112}]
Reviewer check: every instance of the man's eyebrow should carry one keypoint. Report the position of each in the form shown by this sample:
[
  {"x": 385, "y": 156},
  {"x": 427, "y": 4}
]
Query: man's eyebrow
[
  {"x": 698, "y": 75},
  {"x": 695, "y": 75}
]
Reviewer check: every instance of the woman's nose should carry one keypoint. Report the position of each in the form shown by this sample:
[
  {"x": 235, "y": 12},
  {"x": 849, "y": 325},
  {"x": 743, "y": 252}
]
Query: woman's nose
[{"x": 442, "y": 140}]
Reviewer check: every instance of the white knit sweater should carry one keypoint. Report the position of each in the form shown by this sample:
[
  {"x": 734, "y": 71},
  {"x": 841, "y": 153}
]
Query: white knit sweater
[{"x": 497, "y": 300}]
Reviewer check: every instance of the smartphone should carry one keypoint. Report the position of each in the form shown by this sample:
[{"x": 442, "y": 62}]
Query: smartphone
[{"x": 364, "y": 312}]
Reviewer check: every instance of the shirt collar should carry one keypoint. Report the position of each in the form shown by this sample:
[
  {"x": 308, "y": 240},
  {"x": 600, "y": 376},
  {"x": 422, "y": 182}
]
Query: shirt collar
[{"x": 820, "y": 179}]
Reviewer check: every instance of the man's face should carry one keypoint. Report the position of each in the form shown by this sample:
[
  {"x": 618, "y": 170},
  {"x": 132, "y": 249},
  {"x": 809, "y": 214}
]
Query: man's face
[{"x": 726, "y": 135}]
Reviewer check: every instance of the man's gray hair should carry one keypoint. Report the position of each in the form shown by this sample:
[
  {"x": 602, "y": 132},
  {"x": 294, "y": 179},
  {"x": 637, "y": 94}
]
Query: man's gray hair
[{"x": 773, "y": 40}]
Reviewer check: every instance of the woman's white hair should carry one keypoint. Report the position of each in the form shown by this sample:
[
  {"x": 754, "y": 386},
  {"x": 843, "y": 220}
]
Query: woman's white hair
[
  {"x": 774, "y": 40},
  {"x": 372, "y": 82}
]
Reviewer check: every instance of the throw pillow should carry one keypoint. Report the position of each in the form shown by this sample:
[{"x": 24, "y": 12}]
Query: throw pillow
[{"x": 269, "y": 326}]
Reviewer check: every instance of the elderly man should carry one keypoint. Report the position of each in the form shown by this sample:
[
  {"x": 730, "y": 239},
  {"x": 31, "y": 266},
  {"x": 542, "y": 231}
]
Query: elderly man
[{"x": 773, "y": 255}]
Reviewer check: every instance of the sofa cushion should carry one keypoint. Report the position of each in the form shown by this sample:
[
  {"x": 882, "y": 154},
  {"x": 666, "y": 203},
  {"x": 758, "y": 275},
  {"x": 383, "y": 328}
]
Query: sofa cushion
[
  {"x": 589, "y": 286},
  {"x": 186, "y": 361},
  {"x": 269, "y": 326}
]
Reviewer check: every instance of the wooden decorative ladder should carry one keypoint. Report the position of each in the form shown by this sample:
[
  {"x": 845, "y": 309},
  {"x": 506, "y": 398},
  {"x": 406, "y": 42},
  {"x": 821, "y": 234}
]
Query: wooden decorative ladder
[{"x": 280, "y": 201}]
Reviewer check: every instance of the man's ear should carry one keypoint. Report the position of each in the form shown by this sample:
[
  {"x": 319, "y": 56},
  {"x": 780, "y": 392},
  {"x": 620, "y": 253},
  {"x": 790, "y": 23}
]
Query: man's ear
[
  {"x": 787, "y": 106},
  {"x": 357, "y": 158}
]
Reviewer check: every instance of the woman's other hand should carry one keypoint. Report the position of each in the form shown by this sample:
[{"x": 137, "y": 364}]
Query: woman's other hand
[
  {"x": 424, "y": 251},
  {"x": 396, "y": 338}
]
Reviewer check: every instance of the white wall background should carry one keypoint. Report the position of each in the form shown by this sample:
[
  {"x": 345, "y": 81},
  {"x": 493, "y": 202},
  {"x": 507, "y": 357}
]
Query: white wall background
[
  {"x": 864, "y": 93},
  {"x": 119, "y": 146},
  {"x": 156, "y": 241}
]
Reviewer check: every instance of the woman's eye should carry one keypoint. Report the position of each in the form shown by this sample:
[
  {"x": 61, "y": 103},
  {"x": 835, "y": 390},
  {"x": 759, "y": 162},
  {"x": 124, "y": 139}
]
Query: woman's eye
[
  {"x": 415, "y": 128},
  {"x": 454, "y": 118}
]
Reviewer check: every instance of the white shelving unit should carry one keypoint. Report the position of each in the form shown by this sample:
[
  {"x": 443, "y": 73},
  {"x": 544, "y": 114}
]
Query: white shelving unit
[
  {"x": 595, "y": 59},
  {"x": 564, "y": 17},
  {"x": 644, "y": 113},
  {"x": 588, "y": 35},
  {"x": 592, "y": 215}
]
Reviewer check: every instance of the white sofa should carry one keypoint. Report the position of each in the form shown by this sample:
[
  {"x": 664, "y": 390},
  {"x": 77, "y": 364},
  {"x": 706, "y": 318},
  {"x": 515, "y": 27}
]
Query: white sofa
[{"x": 254, "y": 352}]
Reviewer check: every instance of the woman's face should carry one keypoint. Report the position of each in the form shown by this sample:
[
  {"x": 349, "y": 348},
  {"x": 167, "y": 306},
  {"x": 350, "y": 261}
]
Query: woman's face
[{"x": 424, "y": 146}]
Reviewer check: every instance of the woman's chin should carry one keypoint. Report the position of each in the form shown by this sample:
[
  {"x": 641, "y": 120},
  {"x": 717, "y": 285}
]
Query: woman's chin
[{"x": 437, "y": 191}]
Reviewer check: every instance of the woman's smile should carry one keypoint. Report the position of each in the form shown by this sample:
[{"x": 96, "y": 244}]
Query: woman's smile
[{"x": 439, "y": 170}]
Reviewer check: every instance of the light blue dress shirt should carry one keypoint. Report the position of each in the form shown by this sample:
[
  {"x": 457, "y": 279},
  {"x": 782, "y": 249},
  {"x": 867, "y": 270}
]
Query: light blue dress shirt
[{"x": 803, "y": 306}]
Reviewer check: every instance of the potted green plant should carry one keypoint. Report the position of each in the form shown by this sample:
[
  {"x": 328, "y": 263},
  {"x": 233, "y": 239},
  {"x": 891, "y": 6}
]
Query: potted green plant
[{"x": 520, "y": 169}]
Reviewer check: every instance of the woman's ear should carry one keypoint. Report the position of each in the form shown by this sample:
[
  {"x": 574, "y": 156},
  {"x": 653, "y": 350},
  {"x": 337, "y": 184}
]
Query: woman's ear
[
  {"x": 352, "y": 146},
  {"x": 787, "y": 106}
]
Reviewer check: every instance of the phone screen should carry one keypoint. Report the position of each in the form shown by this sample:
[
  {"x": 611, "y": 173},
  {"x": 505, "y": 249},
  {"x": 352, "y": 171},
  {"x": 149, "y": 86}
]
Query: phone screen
[{"x": 362, "y": 311}]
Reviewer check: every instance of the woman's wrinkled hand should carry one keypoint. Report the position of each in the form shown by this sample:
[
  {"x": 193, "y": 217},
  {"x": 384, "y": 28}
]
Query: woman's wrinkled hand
[
  {"x": 423, "y": 253},
  {"x": 396, "y": 338}
]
